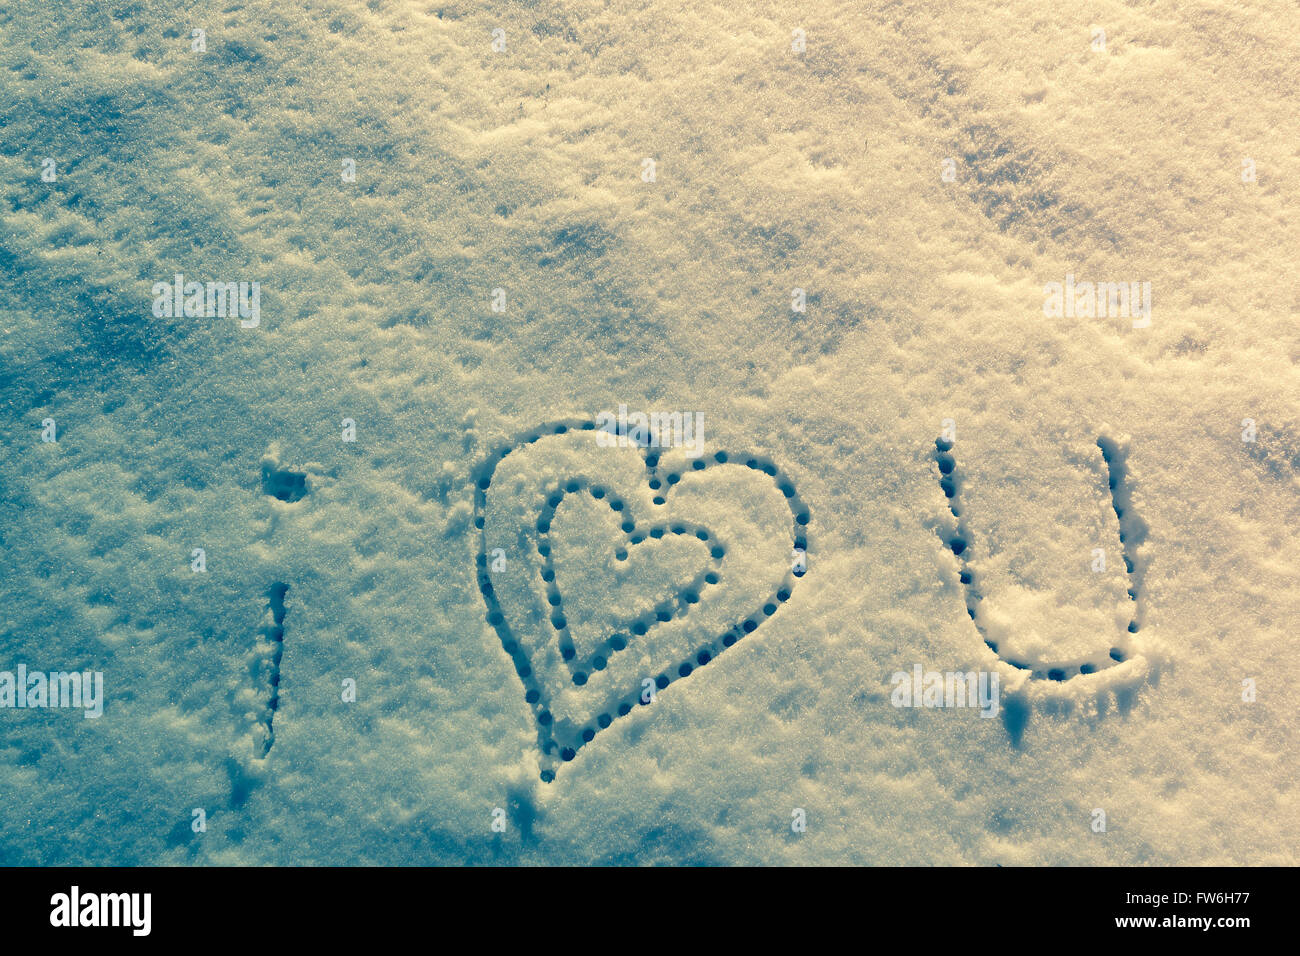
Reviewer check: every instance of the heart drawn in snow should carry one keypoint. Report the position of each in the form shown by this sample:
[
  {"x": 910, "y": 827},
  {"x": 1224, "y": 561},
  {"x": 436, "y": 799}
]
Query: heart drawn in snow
[{"x": 610, "y": 572}]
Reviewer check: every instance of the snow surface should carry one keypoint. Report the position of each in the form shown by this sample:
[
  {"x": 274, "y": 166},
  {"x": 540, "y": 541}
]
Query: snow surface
[{"x": 774, "y": 170}]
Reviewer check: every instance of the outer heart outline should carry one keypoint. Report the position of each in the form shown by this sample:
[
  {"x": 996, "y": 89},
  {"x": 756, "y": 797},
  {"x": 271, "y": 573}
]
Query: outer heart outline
[{"x": 558, "y": 746}]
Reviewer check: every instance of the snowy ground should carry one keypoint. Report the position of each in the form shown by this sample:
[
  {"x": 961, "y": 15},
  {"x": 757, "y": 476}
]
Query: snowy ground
[{"x": 774, "y": 169}]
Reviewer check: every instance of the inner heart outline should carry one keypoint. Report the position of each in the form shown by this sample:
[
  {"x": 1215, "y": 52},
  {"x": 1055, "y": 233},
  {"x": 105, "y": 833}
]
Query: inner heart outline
[
  {"x": 636, "y": 534},
  {"x": 558, "y": 744}
]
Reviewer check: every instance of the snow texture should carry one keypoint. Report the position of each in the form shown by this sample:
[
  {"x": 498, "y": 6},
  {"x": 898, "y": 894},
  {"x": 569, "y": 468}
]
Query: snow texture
[{"x": 954, "y": 456}]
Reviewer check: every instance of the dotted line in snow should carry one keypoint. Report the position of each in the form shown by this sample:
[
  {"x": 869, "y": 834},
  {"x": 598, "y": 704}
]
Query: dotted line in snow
[
  {"x": 562, "y": 744},
  {"x": 1132, "y": 532}
]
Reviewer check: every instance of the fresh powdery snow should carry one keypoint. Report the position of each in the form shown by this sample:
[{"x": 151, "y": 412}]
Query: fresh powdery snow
[{"x": 440, "y": 431}]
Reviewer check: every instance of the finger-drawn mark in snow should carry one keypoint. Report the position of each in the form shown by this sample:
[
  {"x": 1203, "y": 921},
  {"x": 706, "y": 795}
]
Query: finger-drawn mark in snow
[
  {"x": 1132, "y": 529},
  {"x": 283, "y": 483},
  {"x": 1132, "y": 533},
  {"x": 273, "y": 632},
  {"x": 562, "y": 744},
  {"x": 691, "y": 594}
]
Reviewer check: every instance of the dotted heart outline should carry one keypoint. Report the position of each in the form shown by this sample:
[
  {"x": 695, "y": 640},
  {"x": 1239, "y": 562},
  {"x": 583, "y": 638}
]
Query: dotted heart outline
[
  {"x": 636, "y": 534},
  {"x": 559, "y": 747}
]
